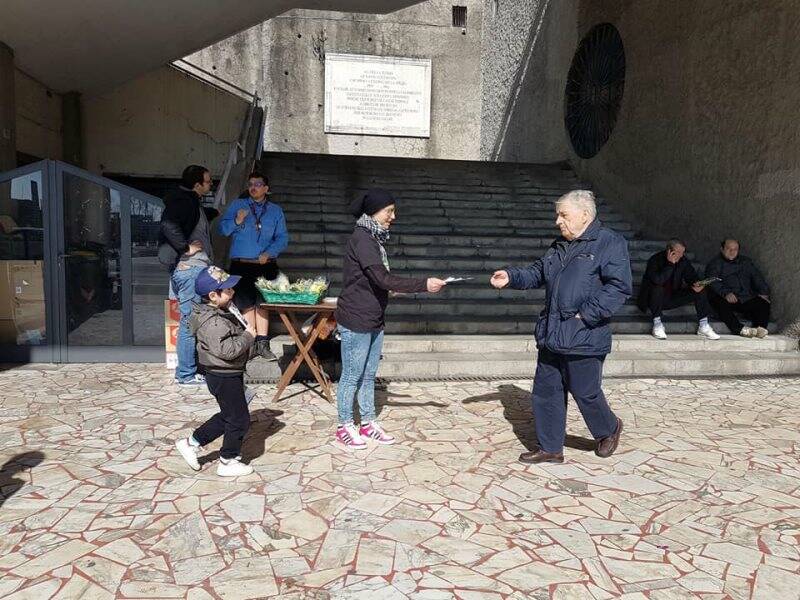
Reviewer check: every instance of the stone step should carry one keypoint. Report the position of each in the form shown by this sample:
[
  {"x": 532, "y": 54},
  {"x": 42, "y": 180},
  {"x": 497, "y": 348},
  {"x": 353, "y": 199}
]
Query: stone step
[
  {"x": 395, "y": 250},
  {"x": 485, "y": 344},
  {"x": 421, "y": 198},
  {"x": 327, "y": 239},
  {"x": 439, "y": 221},
  {"x": 618, "y": 364},
  {"x": 548, "y": 230},
  {"x": 477, "y": 309},
  {"x": 306, "y": 266},
  {"x": 307, "y": 212},
  {"x": 428, "y": 357},
  {"x": 505, "y": 325}
]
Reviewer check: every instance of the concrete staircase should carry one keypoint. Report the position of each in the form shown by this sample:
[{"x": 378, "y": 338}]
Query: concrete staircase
[{"x": 468, "y": 219}]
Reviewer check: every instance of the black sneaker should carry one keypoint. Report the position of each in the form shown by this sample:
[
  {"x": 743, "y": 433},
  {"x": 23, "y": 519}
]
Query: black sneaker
[{"x": 262, "y": 349}]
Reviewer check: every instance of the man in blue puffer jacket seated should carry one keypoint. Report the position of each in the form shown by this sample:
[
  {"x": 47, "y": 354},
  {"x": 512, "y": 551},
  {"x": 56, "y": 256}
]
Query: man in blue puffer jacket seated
[{"x": 587, "y": 275}]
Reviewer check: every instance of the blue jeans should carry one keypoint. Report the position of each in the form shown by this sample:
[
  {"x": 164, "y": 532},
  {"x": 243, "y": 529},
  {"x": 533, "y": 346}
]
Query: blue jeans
[
  {"x": 361, "y": 353},
  {"x": 183, "y": 287}
]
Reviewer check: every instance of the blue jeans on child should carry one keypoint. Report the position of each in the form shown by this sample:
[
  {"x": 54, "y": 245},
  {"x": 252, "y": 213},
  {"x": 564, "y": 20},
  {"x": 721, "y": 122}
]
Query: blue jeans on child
[
  {"x": 361, "y": 353},
  {"x": 182, "y": 287}
]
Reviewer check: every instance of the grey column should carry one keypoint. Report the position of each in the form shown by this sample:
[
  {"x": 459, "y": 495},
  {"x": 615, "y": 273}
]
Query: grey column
[
  {"x": 8, "y": 110},
  {"x": 72, "y": 140}
]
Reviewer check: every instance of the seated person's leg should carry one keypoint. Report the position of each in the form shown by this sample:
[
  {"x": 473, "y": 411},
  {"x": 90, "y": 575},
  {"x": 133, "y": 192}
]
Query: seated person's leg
[
  {"x": 758, "y": 311},
  {"x": 726, "y": 312}
]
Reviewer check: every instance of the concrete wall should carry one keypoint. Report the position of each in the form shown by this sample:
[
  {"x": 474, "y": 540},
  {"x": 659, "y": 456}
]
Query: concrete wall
[
  {"x": 707, "y": 143},
  {"x": 527, "y": 49},
  {"x": 39, "y": 122},
  {"x": 283, "y": 58},
  {"x": 157, "y": 124}
]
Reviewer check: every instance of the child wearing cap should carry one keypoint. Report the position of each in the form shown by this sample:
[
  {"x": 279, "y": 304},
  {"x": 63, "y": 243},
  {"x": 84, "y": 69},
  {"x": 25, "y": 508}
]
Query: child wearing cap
[{"x": 223, "y": 347}]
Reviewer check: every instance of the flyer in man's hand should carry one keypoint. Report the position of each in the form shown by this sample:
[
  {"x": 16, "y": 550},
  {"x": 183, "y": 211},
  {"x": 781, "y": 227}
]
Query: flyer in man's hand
[
  {"x": 457, "y": 279},
  {"x": 705, "y": 282}
]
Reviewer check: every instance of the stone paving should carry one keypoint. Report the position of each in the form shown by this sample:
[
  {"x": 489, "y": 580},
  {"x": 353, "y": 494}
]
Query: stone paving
[{"x": 701, "y": 501}]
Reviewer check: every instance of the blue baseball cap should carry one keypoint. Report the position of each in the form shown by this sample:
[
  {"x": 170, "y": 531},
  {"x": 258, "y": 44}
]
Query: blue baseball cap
[{"x": 214, "y": 279}]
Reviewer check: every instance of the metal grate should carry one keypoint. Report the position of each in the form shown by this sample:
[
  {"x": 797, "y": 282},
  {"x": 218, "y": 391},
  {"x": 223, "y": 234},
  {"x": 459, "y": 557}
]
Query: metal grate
[
  {"x": 595, "y": 85},
  {"x": 460, "y": 16}
]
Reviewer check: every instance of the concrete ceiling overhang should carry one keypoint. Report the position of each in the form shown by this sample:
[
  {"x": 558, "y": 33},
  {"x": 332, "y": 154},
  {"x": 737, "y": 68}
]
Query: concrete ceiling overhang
[{"x": 92, "y": 45}]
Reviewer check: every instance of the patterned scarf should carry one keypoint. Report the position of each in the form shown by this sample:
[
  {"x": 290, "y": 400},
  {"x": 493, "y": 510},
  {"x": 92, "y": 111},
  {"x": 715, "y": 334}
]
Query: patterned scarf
[{"x": 380, "y": 234}]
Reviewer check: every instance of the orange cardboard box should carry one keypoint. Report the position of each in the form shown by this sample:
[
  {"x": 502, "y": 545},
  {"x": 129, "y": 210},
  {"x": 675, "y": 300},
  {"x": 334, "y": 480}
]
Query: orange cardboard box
[
  {"x": 172, "y": 314},
  {"x": 170, "y": 337}
]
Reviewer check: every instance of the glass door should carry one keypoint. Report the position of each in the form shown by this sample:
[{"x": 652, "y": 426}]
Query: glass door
[
  {"x": 109, "y": 278},
  {"x": 27, "y": 331}
]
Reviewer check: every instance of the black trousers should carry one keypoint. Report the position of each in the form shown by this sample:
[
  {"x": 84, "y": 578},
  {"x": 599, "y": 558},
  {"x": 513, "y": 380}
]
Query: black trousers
[
  {"x": 582, "y": 376},
  {"x": 233, "y": 418},
  {"x": 247, "y": 295},
  {"x": 756, "y": 310},
  {"x": 660, "y": 301}
]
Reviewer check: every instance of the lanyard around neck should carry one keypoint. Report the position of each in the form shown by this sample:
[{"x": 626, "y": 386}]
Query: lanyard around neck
[{"x": 258, "y": 215}]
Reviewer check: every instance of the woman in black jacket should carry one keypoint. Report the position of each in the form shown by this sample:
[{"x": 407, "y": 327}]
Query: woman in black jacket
[{"x": 360, "y": 314}]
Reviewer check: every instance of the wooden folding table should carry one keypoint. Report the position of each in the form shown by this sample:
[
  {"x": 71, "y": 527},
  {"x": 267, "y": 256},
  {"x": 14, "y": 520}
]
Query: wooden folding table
[{"x": 304, "y": 342}]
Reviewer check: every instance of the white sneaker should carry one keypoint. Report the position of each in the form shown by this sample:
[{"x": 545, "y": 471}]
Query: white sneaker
[
  {"x": 188, "y": 452},
  {"x": 748, "y": 332},
  {"x": 348, "y": 436},
  {"x": 659, "y": 331},
  {"x": 232, "y": 468},
  {"x": 707, "y": 331}
]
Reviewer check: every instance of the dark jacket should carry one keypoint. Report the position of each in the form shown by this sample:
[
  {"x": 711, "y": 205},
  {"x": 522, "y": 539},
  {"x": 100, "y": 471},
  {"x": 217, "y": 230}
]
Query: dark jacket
[
  {"x": 222, "y": 343},
  {"x": 180, "y": 216},
  {"x": 662, "y": 273},
  {"x": 590, "y": 276},
  {"x": 366, "y": 284},
  {"x": 739, "y": 276}
]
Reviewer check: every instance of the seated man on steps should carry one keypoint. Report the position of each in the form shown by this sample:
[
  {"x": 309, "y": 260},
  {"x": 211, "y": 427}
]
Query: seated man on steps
[
  {"x": 741, "y": 289},
  {"x": 669, "y": 282}
]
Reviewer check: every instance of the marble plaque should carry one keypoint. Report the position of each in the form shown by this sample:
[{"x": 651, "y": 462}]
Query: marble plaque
[{"x": 377, "y": 95}]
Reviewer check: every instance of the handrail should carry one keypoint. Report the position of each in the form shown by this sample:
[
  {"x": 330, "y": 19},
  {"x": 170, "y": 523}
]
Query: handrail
[
  {"x": 233, "y": 153},
  {"x": 192, "y": 70}
]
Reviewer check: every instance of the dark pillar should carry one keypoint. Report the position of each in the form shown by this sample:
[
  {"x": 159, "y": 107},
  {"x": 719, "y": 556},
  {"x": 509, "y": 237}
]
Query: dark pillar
[
  {"x": 8, "y": 110},
  {"x": 72, "y": 139}
]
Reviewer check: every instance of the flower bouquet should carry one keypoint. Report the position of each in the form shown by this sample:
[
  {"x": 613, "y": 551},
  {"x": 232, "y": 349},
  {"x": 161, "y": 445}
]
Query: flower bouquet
[{"x": 302, "y": 291}]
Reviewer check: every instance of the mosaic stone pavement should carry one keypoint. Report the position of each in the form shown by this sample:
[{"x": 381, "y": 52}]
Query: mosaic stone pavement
[{"x": 701, "y": 501}]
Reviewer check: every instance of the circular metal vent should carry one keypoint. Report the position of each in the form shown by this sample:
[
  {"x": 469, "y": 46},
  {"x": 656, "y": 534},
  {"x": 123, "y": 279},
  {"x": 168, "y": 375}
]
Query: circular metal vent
[{"x": 595, "y": 84}]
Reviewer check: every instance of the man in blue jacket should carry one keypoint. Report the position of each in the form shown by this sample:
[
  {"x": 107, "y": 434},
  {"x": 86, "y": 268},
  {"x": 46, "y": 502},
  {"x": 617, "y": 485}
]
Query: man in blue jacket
[
  {"x": 257, "y": 229},
  {"x": 587, "y": 275}
]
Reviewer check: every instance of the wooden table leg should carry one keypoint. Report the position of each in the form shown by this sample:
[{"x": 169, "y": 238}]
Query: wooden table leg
[
  {"x": 292, "y": 367},
  {"x": 306, "y": 354},
  {"x": 312, "y": 360}
]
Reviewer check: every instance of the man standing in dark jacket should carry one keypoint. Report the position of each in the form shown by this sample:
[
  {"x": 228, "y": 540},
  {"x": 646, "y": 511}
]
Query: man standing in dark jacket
[
  {"x": 185, "y": 248},
  {"x": 587, "y": 274},
  {"x": 741, "y": 289},
  {"x": 670, "y": 282}
]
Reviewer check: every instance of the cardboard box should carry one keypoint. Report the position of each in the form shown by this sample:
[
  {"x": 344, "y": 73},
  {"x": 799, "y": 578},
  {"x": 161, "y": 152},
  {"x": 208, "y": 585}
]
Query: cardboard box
[
  {"x": 172, "y": 314},
  {"x": 22, "y": 301},
  {"x": 170, "y": 337}
]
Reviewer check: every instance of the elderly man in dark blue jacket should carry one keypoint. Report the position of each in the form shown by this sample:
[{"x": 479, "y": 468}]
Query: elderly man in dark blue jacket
[{"x": 587, "y": 275}]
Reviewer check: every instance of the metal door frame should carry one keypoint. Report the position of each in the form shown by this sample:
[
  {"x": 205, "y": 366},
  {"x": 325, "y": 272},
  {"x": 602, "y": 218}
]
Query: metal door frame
[{"x": 57, "y": 348}]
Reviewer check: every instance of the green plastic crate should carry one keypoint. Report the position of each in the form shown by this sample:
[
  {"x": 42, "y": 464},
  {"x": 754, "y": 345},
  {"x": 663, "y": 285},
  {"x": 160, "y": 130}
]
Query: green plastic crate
[{"x": 290, "y": 297}]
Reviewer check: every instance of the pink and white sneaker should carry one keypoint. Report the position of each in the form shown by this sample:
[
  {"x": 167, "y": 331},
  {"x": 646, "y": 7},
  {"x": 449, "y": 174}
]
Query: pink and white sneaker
[
  {"x": 347, "y": 436},
  {"x": 374, "y": 431}
]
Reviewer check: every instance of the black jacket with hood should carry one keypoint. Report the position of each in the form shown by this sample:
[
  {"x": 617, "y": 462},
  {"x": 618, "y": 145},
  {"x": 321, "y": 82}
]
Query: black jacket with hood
[{"x": 181, "y": 214}]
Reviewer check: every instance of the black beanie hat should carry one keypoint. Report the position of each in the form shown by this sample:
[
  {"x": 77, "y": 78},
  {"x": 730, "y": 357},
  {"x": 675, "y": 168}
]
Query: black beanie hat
[{"x": 373, "y": 201}]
